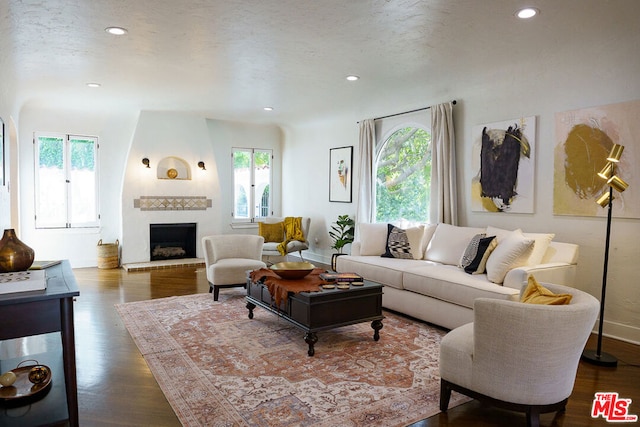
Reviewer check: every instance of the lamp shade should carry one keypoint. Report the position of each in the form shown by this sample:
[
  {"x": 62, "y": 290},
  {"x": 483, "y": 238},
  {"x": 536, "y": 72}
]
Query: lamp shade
[
  {"x": 603, "y": 200},
  {"x": 607, "y": 171},
  {"x": 616, "y": 153},
  {"x": 617, "y": 183}
]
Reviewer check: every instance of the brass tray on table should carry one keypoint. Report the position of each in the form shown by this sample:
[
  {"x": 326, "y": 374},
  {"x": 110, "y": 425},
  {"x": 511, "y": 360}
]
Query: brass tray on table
[{"x": 23, "y": 388}]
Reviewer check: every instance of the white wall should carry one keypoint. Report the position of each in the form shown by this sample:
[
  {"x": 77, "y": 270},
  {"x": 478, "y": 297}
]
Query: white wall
[
  {"x": 192, "y": 138},
  {"x": 225, "y": 135},
  {"x": 125, "y": 138},
  {"x": 159, "y": 135},
  {"x": 560, "y": 78},
  {"x": 113, "y": 130}
]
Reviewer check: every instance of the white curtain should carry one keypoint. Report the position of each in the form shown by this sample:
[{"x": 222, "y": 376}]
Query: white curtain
[
  {"x": 443, "y": 203},
  {"x": 365, "y": 208}
]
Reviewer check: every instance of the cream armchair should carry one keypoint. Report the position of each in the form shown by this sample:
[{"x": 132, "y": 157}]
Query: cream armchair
[
  {"x": 228, "y": 257},
  {"x": 270, "y": 249},
  {"x": 522, "y": 357}
]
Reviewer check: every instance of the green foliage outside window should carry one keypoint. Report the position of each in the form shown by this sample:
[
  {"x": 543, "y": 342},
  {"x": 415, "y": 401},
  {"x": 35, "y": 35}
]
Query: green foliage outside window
[
  {"x": 403, "y": 176},
  {"x": 82, "y": 153},
  {"x": 51, "y": 152},
  {"x": 242, "y": 159}
]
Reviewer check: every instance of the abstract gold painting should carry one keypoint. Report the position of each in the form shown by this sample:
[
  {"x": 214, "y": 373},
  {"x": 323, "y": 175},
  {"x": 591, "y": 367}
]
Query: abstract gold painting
[{"x": 583, "y": 140}]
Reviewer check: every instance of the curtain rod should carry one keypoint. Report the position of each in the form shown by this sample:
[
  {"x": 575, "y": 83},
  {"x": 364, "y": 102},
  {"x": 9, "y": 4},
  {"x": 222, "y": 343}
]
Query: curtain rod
[{"x": 406, "y": 112}]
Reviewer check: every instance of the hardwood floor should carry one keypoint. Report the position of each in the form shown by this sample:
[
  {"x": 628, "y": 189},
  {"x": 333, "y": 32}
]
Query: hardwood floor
[{"x": 116, "y": 388}]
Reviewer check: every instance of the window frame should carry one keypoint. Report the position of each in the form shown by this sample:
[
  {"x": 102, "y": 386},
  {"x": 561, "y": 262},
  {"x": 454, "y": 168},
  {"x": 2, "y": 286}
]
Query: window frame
[
  {"x": 67, "y": 171},
  {"x": 386, "y": 130},
  {"x": 252, "y": 197}
]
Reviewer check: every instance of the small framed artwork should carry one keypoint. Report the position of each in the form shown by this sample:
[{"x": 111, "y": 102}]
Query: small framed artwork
[
  {"x": 340, "y": 166},
  {"x": 2, "y": 172}
]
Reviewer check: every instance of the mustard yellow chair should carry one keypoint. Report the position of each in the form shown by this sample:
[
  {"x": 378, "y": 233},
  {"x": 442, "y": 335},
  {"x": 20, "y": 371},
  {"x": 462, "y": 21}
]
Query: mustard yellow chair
[{"x": 270, "y": 248}]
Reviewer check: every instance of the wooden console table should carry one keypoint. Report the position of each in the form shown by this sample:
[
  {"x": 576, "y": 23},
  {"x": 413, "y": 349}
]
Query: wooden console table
[{"x": 42, "y": 312}]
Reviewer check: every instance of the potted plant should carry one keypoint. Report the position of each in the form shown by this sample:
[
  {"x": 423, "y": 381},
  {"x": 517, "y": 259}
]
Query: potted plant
[{"x": 342, "y": 233}]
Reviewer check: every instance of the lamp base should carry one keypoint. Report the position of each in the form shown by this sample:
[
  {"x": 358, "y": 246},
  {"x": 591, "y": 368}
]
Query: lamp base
[{"x": 603, "y": 359}]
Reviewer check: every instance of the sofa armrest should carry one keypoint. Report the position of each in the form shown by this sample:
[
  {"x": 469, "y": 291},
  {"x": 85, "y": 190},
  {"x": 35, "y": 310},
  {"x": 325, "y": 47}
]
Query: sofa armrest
[{"x": 561, "y": 273}]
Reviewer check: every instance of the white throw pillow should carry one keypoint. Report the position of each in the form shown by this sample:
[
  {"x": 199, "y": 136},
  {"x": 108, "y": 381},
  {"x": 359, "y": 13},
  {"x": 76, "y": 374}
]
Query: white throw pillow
[
  {"x": 449, "y": 243},
  {"x": 429, "y": 229},
  {"x": 501, "y": 233},
  {"x": 415, "y": 235},
  {"x": 372, "y": 237},
  {"x": 513, "y": 251},
  {"x": 542, "y": 241}
]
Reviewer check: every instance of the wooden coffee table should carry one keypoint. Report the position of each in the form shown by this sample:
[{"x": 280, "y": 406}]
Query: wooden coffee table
[{"x": 318, "y": 311}]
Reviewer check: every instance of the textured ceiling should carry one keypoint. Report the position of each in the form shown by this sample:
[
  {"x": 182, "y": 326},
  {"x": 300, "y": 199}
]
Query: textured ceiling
[{"x": 229, "y": 58}]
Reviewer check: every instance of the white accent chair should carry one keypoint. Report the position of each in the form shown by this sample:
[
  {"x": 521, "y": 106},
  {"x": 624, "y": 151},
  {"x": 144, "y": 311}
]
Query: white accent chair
[
  {"x": 270, "y": 249},
  {"x": 228, "y": 257},
  {"x": 517, "y": 356}
]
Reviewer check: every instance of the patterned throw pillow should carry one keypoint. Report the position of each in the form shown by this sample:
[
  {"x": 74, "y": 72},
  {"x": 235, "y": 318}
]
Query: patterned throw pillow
[
  {"x": 397, "y": 243},
  {"x": 471, "y": 250},
  {"x": 474, "y": 259}
]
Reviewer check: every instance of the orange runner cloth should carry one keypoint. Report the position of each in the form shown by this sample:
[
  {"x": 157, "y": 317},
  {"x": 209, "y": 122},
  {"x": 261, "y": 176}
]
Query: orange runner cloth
[{"x": 280, "y": 288}]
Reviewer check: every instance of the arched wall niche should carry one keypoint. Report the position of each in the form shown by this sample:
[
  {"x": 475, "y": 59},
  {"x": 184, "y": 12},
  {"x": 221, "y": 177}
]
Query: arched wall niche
[{"x": 173, "y": 168}]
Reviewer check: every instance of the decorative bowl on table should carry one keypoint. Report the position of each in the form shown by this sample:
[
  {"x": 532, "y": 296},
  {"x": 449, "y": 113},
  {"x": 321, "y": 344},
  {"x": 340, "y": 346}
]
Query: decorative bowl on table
[{"x": 292, "y": 270}]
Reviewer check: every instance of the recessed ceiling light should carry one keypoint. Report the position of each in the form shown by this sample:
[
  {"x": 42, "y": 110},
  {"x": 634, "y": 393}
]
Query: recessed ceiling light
[
  {"x": 353, "y": 78},
  {"x": 116, "y": 31},
  {"x": 527, "y": 12},
  {"x": 268, "y": 108},
  {"x": 94, "y": 84}
]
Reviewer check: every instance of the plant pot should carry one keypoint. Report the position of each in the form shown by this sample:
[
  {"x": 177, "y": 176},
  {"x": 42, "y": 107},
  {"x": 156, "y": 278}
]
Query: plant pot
[
  {"x": 14, "y": 254},
  {"x": 334, "y": 259}
]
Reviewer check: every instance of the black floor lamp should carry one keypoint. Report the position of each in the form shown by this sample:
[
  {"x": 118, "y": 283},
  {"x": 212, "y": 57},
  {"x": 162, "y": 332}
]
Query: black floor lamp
[{"x": 598, "y": 357}]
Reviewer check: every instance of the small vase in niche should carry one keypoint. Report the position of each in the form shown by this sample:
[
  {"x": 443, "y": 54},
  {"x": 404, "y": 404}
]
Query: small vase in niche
[{"x": 14, "y": 254}]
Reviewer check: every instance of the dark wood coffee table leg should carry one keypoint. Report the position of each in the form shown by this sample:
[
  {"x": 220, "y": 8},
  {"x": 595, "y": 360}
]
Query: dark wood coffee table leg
[
  {"x": 251, "y": 306},
  {"x": 311, "y": 338},
  {"x": 376, "y": 325}
]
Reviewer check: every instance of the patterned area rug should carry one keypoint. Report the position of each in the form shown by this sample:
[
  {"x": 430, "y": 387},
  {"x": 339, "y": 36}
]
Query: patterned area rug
[{"x": 219, "y": 368}]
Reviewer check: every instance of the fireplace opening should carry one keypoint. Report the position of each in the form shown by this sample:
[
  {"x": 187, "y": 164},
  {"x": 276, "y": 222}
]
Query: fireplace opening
[{"x": 172, "y": 241}]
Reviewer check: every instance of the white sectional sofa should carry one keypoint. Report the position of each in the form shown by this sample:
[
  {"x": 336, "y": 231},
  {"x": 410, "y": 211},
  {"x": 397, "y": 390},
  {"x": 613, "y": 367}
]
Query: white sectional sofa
[{"x": 432, "y": 286}]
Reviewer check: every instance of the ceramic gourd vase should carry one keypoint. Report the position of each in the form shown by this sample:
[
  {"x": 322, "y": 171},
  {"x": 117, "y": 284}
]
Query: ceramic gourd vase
[{"x": 14, "y": 254}]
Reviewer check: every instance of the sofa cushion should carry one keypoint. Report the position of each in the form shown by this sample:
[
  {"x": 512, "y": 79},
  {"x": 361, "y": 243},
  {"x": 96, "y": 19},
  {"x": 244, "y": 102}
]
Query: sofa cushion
[
  {"x": 542, "y": 241},
  {"x": 450, "y": 283},
  {"x": 449, "y": 243},
  {"x": 535, "y": 293},
  {"x": 372, "y": 238},
  {"x": 513, "y": 251},
  {"x": 387, "y": 271},
  {"x": 501, "y": 233},
  {"x": 475, "y": 257},
  {"x": 398, "y": 245},
  {"x": 406, "y": 244}
]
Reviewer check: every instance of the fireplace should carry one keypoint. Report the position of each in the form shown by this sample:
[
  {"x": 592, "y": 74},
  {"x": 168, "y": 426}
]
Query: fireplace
[{"x": 172, "y": 241}]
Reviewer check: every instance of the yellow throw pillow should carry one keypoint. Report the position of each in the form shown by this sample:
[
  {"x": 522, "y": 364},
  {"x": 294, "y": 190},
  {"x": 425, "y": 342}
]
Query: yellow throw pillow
[
  {"x": 535, "y": 293},
  {"x": 273, "y": 232}
]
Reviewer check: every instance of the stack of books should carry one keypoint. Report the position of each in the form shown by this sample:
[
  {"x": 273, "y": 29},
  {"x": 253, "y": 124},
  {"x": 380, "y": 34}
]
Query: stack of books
[
  {"x": 23, "y": 281},
  {"x": 343, "y": 278}
]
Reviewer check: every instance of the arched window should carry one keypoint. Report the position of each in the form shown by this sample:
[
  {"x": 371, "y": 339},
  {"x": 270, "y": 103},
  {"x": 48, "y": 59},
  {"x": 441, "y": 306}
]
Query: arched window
[{"x": 403, "y": 175}]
